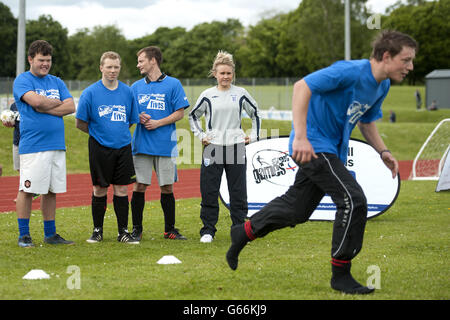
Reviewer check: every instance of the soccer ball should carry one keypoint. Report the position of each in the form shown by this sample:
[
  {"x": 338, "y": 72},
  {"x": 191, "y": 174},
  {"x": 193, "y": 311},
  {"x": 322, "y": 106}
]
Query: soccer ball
[{"x": 8, "y": 116}]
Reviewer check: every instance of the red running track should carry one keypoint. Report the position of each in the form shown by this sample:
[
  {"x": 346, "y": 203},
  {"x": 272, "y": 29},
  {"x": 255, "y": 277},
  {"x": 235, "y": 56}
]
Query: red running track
[{"x": 79, "y": 189}]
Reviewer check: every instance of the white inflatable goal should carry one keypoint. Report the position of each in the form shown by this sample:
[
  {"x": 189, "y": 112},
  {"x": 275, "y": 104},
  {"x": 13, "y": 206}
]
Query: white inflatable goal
[{"x": 430, "y": 159}]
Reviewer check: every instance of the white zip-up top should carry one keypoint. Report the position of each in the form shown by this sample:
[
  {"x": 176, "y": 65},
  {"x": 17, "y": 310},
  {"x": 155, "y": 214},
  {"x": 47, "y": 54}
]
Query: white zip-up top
[{"x": 223, "y": 114}]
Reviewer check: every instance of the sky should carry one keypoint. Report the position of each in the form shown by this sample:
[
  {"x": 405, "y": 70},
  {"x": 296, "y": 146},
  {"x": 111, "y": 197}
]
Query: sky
[{"x": 137, "y": 18}]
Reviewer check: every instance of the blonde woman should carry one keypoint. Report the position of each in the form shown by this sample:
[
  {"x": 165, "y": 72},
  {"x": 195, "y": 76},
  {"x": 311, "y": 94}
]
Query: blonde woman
[{"x": 224, "y": 143}]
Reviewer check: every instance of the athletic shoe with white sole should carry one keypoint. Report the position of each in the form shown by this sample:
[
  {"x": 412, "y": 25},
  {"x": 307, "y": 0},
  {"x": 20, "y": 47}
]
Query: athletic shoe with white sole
[
  {"x": 97, "y": 236},
  {"x": 25, "y": 241},
  {"x": 206, "y": 238},
  {"x": 127, "y": 238}
]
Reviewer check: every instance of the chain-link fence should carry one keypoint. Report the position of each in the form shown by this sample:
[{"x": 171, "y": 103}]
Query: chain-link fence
[{"x": 270, "y": 93}]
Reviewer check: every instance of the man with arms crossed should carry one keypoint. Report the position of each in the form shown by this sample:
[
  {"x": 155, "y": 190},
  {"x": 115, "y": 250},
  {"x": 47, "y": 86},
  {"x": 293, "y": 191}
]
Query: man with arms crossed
[
  {"x": 42, "y": 100},
  {"x": 106, "y": 111},
  {"x": 161, "y": 101},
  {"x": 326, "y": 106}
]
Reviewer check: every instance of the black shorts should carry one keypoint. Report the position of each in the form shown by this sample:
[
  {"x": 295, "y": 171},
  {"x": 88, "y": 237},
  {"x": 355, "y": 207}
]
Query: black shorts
[{"x": 110, "y": 166}]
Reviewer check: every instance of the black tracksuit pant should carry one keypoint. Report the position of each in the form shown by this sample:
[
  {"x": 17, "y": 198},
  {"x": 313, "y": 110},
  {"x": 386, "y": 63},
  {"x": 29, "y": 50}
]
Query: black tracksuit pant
[
  {"x": 216, "y": 159},
  {"x": 325, "y": 175}
]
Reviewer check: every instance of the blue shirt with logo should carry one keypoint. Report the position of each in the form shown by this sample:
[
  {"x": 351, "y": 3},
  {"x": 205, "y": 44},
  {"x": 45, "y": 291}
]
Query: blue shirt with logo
[
  {"x": 39, "y": 131},
  {"x": 109, "y": 113},
  {"x": 342, "y": 94},
  {"x": 159, "y": 99}
]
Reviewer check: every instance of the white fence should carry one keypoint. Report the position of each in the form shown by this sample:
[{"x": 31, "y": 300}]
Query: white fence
[
  {"x": 270, "y": 93},
  {"x": 272, "y": 113}
]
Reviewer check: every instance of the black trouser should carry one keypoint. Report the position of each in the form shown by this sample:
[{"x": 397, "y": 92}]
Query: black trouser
[
  {"x": 325, "y": 175},
  {"x": 216, "y": 159},
  {"x": 110, "y": 166}
]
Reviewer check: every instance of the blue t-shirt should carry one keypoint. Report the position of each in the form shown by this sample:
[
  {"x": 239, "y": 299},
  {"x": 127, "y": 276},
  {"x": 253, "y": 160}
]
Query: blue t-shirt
[
  {"x": 39, "y": 131},
  {"x": 159, "y": 99},
  {"x": 109, "y": 113},
  {"x": 342, "y": 94}
]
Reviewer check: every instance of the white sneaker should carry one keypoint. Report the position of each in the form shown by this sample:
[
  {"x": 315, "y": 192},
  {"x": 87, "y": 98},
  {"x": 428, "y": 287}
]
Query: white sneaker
[{"x": 206, "y": 238}]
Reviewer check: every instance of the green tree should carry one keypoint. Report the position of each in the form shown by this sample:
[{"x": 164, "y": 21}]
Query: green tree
[
  {"x": 88, "y": 46},
  {"x": 312, "y": 36},
  {"x": 257, "y": 56},
  {"x": 191, "y": 55},
  {"x": 163, "y": 38},
  {"x": 429, "y": 24},
  {"x": 45, "y": 28},
  {"x": 75, "y": 49},
  {"x": 8, "y": 39}
]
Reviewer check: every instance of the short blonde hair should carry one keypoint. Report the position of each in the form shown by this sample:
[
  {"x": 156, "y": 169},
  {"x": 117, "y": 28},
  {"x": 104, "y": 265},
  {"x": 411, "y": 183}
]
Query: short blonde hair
[
  {"x": 109, "y": 55},
  {"x": 225, "y": 58}
]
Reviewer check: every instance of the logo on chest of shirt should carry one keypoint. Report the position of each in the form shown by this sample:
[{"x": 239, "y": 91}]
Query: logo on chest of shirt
[
  {"x": 50, "y": 93},
  {"x": 356, "y": 110},
  {"x": 114, "y": 112},
  {"x": 155, "y": 101}
]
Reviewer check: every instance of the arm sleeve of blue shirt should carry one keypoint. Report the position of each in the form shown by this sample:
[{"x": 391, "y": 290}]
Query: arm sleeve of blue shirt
[
  {"x": 134, "y": 115},
  {"x": 179, "y": 97},
  {"x": 21, "y": 86},
  {"x": 63, "y": 91},
  {"x": 339, "y": 75},
  {"x": 83, "y": 107}
]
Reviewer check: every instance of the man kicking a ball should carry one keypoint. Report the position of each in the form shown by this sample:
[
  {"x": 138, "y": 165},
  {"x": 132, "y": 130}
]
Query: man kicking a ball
[{"x": 326, "y": 106}]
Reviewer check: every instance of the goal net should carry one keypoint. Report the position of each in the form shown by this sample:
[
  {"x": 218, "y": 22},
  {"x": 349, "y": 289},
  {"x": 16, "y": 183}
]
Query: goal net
[{"x": 430, "y": 159}]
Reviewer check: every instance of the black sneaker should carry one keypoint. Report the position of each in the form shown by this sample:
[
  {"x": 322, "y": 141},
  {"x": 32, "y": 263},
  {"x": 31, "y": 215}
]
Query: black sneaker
[
  {"x": 238, "y": 241},
  {"x": 343, "y": 281},
  {"x": 57, "y": 239},
  {"x": 97, "y": 236},
  {"x": 174, "y": 235},
  {"x": 340, "y": 285},
  {"x": 126, "y": 237},
  {"x": 137, "y": 233},
  {"x": 25, "y": 241}
]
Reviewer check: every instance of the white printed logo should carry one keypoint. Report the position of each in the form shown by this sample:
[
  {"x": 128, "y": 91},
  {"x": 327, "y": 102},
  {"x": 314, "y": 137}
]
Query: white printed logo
[
  {"x": 143, "y": 98},
  {"x": 156, "y": 104},
  {"x": 356, "y": 110},
  {"x": 117, "y": 112},
  {"x": 51, "y": 93},
  {"x": 156, "y": 101}
]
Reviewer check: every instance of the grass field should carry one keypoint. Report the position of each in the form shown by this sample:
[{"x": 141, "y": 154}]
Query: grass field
[{"x": 409, "y": 244}]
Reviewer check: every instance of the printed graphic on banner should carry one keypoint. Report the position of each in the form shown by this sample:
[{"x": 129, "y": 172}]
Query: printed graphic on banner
[
  {"x": 271, "y": 165},
  {"x": 271, "y": 171}
]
